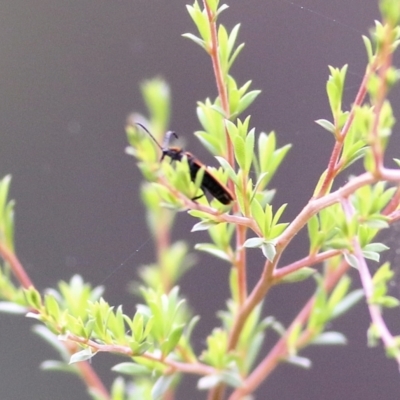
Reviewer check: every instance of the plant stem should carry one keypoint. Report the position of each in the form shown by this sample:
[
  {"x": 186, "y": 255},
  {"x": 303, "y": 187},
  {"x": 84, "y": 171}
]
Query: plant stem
[
  {"x": 279, "y": 351},
  {"x": 16, "y": 266},
  {"x": 304, "y": 262},
  {"x": 88, "y": 374},
  {"x": 223, "y": 95}
]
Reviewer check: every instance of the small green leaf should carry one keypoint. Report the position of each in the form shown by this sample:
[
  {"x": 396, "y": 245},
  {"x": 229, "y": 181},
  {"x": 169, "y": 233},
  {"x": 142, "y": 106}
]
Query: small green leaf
[
  {"x": 203, "y": 225},
  {"x": 376, "y": 247},
  {"x": 387, "y": 302},
  {"x": 269, "y": 251},
  {"x": 208, "y": 382},
  {"x": 82, "y": 355},
  {"x": 326, "y": 125},
  {"x": 371, "y": 255},
  {"x": 299, "y": 275},
  {"x": 232, "y": 378},
  {"x": 130, "y": 368},
  {"x": 55, "y": 365},
  {"x": 161, "y": 386},
  {"x": 246, "y": 101},
  {"x": 298, "y": 361},
  {"x": 330, "y": 338},
  {"x": 196, "y": 40},
  {"x": 173, "y": 339},
  {"x": 213, "y": 250},
  {"x": 368, "y": 47},
  {"x": 351, "y": 259},
  {"x": 228, "y": 168},
  {"x": 12, "y": 308},
  {"x": 240, "y": 152},
  {"x": 249, "y": 150},
  {"x": 254, "y": 242},
  {"x": 348, "y": 302}
]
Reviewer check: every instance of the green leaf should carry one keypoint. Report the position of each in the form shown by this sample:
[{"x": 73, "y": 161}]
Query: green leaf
[
  {"x": 4, "y": 188},
  {"x": 327, "y": 125},
  {"x": 12, "y": 308},
  {"x": 258, "y": 214},
  {"x": 387, "y": 301},
  {"x": 199, "y": 17},
  {"x": 371, "y": 255},
  {"x": 254, "y": 242},
  {"x": 330, "y": 339},
  {"x": 157, "y": 96},
  {"x": 240, "y": 151},
  {"x": 232, "y": 378},
  {"x": 347, "y": 303},
  {"x": 340, "y": 290},
  {"x": 269, "y": 251},
  {"x": 376, "y": 247},
  {"x": 228, "y": 168},
  {"x": 213, "y": 250},
  {"x": 299, "y": 275},
  {"x": 267, "y": 220},
  {"x": 208, "y": 382},
  {"x": 82, "y": 355},
  {"x": 249, "y": 150},
  {"x": 52, "y": 306},
  {"x": 33, "y": 298},
  {"x": 368, "y": 47},
  {"x": 383, "y": 274},
  {"x": 118, "y": 389},
  {"x": 246, "y": 101},
  {"x": 173, "y": 339},
  {"x": 203, "y": 225},
  {"x": 130, "y": 368},
  {"x": 52, "y": 340},
  {"x": 351, "y": 259},
  {"x": 196, "y": 40},
  {"x": 161, "y": 386},
  {"x": 298, "y": 361},
  {"x": 59, "y": 366}
]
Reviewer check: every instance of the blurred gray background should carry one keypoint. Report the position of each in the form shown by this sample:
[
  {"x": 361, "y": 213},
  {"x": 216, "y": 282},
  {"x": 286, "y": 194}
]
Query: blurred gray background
[{"x": 69, "y": 75}]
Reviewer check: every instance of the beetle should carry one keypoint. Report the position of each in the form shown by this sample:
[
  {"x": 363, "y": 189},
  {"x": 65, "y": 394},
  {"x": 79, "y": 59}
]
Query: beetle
[{"x": 209, "y": 183}]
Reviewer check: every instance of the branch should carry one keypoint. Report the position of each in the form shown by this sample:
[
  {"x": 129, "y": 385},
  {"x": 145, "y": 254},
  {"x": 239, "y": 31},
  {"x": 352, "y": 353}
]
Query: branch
[
  {"x": 279, "y": 351},
  {"x": 374, "y": 310},
  {"x": 87, "y": 373},
  {"x": 16, "y": 266},
  {"x": 304, "y": 262},
  {"x": 175, "y": 366}
]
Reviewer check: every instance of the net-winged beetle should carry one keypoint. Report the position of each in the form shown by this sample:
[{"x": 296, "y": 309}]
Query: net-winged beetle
[{"x": 210, "y": 183}]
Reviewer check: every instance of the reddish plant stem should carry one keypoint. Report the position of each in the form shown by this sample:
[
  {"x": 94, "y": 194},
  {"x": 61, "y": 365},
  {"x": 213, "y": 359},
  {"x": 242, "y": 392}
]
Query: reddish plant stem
[
  {"x": 279, "y": 351},
  {"x": 314, "y": 206},
  {"x": 219, "y": 75},
  {"x": 88, "y": 374},
  {"x": 16, "y": 266},
  {"x": 175, "y": 366},
  {"x": 240, "y": 263},
  {"x": 393, "y": 203},
  {"x": 266, "y": 279},
  {"x": 304, "y": 262},
  {"x": 332, "y": 169},
  {"x": 374, "y": 310},
  {"x": 91, "y": 379},
  {"x": 368, "y": 286}
]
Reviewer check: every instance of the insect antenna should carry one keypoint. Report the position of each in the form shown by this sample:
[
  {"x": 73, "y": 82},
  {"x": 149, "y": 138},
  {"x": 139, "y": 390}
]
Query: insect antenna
[{"x": 146, "y": 130}]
